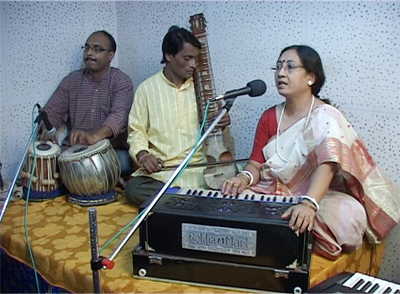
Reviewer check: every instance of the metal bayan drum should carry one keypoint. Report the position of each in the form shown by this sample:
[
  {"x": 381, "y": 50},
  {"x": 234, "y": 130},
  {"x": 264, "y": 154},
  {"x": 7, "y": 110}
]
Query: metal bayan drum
[
  {"x": 46, "y": 181},
  {"x": 90, "y": 173}
]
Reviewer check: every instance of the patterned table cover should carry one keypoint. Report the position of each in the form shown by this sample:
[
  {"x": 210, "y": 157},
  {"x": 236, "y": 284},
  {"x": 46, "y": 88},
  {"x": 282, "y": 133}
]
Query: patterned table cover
[{"x": 60, "y": 240}]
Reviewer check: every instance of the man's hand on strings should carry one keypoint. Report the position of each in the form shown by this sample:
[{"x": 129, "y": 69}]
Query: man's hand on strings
[
  {"x": 149, "y": 163},
  {"x": 224, "y": 121}
]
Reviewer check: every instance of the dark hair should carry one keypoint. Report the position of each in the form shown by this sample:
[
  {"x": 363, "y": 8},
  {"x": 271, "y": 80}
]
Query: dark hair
[
  {"x": 110, "y": 39},
  {"x": 174, "y": 40},
  {"x": 312, "y": 64}
]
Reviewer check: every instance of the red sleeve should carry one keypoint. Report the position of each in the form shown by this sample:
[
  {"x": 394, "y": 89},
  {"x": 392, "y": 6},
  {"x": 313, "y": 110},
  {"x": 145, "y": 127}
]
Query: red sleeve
[{"x": 266, "y": 129}]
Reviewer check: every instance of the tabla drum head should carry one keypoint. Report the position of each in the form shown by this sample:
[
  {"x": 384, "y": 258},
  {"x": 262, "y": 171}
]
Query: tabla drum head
[
  {"x": 83, "y": 151},
  {"x": 46, "y": 149}
]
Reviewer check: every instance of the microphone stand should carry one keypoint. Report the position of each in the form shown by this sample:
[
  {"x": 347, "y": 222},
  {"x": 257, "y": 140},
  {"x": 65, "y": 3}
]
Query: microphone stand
[
  {"x": 94, "y": 241},
  {"x": 154, "y": 201},
  {"x": 11, "y": 188}
]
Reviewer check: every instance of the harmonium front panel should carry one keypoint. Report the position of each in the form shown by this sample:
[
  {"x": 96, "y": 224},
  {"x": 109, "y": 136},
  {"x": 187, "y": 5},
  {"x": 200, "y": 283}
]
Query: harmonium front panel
[{"x": 188, "y": 238}]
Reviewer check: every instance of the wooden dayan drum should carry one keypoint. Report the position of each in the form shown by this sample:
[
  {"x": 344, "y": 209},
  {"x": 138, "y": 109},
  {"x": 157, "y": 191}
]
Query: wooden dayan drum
[{"x": 46, "y": 181}]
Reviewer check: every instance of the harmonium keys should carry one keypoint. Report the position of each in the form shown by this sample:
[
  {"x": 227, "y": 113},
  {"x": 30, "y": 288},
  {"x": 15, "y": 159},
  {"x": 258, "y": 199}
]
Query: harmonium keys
[
  {"x": 245, "y": 195},
  {"x": 366, "y": 284}
]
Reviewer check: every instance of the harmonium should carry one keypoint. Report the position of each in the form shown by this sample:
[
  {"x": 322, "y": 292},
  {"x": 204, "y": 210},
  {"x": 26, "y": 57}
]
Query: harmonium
[{"x": 202, "y": 237}]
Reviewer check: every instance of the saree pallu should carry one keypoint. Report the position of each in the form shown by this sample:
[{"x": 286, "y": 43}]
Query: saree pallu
[{"x": 361, "y": 198}]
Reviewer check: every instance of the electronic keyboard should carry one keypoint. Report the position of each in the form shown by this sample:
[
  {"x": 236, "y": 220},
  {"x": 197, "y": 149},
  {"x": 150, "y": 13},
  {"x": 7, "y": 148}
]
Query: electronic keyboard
[{"x": 355, "y": 283}]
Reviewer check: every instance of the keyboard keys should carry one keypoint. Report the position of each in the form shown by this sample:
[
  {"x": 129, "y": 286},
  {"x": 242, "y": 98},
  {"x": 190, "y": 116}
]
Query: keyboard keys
[
  {"x": 355, "y": 281},
  {"x": 379, "y": 286},
  {"x": 391, "y": 288},
  {"x": 368, "y": 284}
]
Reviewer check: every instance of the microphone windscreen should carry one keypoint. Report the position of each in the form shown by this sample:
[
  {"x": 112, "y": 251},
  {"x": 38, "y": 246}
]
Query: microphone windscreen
[{"x": 258, "y": 87}]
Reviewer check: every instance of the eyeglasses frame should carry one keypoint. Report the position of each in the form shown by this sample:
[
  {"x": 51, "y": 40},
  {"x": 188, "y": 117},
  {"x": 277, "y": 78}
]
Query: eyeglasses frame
[
  {"x": 96, "y": 50},
  {"x": 276, "y": 69}
]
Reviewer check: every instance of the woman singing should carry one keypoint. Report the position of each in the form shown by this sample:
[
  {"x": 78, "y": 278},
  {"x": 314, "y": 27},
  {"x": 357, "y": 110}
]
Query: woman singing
[{"x": 306, "y": 147}]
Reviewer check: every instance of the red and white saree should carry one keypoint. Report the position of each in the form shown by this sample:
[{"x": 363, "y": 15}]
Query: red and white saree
[{"x": 361, "y": 198}]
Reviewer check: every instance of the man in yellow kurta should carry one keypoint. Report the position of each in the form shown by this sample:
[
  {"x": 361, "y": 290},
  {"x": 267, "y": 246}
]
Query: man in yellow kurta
[{"x": 163, "y": 121}]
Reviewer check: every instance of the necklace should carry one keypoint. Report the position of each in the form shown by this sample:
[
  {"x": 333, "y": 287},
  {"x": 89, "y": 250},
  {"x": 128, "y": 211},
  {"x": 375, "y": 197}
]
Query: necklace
[{"x": 279, "y": 126}]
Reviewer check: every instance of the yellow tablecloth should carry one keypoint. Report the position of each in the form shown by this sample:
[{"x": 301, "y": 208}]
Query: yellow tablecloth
[{"x": 60, "y": 240}]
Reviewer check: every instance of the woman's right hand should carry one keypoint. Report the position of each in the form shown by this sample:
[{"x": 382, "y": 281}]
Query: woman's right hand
[
  {"x": 301, "y": 217},
  {"x": 235, "y": 185}
]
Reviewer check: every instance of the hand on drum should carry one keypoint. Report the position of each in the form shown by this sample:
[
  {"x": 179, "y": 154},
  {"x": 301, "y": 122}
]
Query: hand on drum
[
  {"x": 301, "y": 217},
  {"x": 150, "y": 164},
  {"x": 82, "y": 137},
  {"x": 235, "y": 185}
]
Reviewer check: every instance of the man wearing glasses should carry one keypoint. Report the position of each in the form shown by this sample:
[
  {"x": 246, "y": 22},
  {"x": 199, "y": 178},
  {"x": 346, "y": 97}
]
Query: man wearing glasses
[{"x": 94, "y": 102}]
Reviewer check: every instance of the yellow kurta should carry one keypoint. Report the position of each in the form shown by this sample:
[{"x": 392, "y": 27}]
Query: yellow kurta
[{"x": 164, "y": 121}]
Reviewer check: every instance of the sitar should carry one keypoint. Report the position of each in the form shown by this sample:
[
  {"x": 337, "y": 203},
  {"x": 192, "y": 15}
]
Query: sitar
[{"x": 214, "y": 145}]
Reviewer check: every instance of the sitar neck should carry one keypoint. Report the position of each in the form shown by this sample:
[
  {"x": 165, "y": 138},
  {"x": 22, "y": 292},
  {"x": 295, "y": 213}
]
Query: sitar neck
[
  {"x": 215, "y": 148},
  {"x": 203, "y": 76}
]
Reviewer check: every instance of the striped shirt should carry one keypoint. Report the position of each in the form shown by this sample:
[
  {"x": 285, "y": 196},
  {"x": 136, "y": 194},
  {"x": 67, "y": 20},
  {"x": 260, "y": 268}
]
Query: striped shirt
[
  {"x": 164, "y": 121},
  {"x": 85, "y": 104}
]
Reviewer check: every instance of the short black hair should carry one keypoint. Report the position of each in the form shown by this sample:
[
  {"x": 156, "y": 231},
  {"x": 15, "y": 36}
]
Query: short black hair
[
  {"x": 312, "y": 64},
  {"x": 113, "y": 44},
  {"x": 174, "y": 40}
]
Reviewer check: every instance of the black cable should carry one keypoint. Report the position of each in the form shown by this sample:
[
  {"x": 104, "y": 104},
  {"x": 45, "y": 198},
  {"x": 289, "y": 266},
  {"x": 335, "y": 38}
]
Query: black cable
[{"x": 1, "y": 178}]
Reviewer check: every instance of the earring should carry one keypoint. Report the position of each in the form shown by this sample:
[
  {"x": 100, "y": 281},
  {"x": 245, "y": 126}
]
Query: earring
[{"x": 309, "y": 83}]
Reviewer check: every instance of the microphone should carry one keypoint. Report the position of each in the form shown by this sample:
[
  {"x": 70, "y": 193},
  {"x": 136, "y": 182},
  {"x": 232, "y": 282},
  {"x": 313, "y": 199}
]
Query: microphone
[
  {"x": 49, "y": 127},
  {"x": 253, "y": 89}
]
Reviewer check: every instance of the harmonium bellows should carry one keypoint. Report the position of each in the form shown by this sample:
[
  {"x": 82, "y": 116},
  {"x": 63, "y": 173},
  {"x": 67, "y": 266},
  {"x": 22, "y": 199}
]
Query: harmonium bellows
[{"x": 223, "y": 242}]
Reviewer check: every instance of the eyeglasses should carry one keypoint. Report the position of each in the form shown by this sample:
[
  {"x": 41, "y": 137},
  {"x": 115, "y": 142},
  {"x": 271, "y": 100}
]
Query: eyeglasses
[
  {"x": 290, "y": 67},
  {"x": 95, "y": 48}
]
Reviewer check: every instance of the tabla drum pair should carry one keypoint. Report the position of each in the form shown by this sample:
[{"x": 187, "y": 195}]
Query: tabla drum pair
[
  {"x": 42, "y": 181},
  {"x": 90, "y": 173}
]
